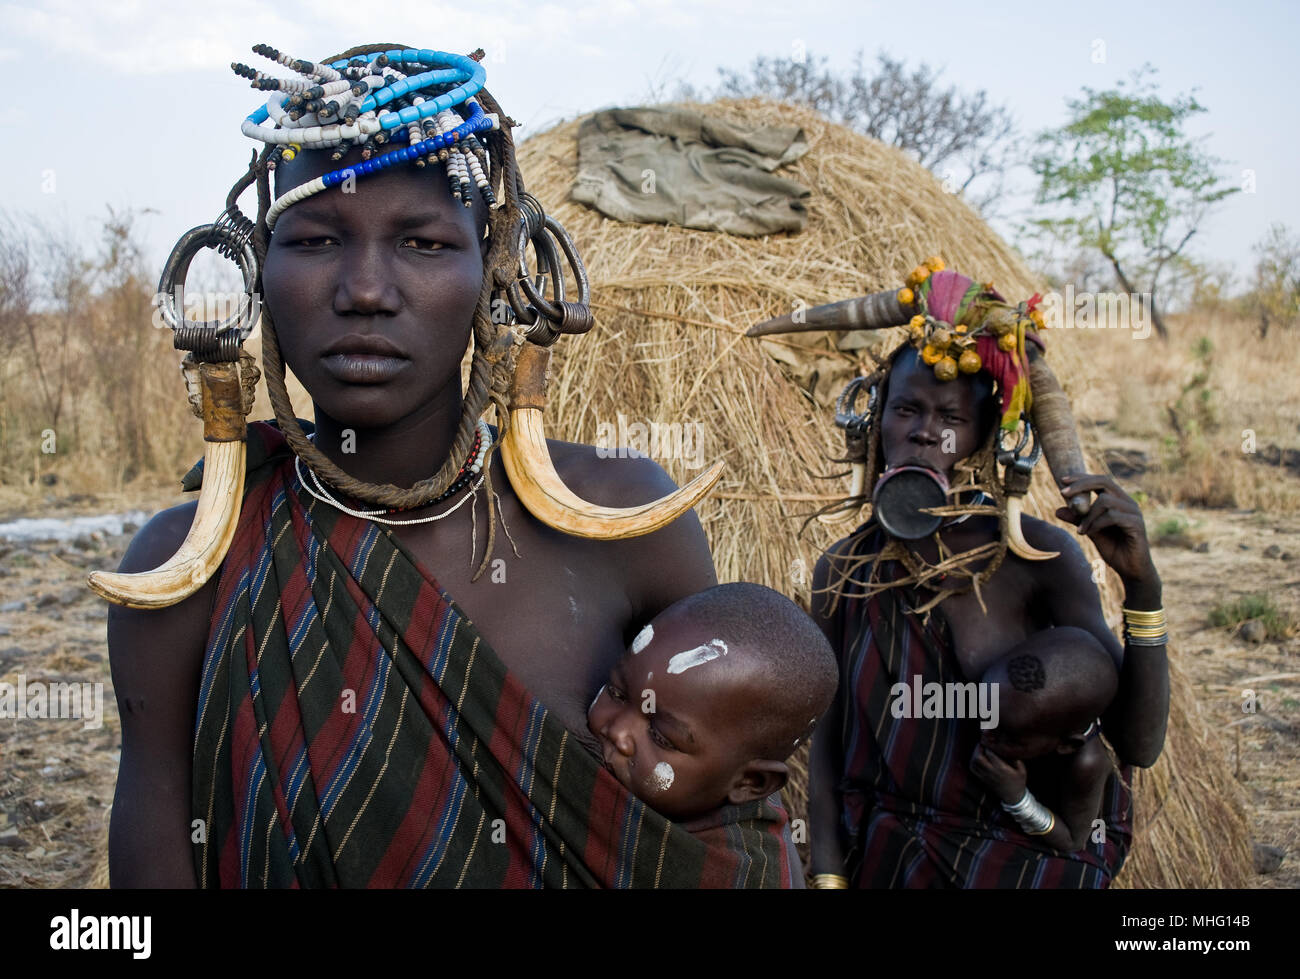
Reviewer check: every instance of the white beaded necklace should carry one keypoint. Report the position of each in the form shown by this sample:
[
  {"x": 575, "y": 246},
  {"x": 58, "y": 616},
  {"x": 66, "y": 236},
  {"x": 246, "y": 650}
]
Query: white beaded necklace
[{"x": 317, "y": 489}]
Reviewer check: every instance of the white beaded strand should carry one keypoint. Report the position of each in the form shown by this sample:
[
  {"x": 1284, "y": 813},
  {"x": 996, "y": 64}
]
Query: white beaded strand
[
  {"x": 323, "y": 495},
  {"x": 317, "y": 489}
]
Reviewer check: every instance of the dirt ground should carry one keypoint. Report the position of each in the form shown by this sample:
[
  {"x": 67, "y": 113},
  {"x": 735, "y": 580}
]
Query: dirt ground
[
  {"x": 57, "y": 776},
  {"x": 1245, "y": 556}
]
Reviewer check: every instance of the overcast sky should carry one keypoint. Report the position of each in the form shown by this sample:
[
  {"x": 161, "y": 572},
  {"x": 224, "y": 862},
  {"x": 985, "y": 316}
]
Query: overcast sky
[{"x": 131, "y": 104}]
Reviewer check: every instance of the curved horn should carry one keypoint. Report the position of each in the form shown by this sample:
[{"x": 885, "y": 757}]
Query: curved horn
[
  {"x": 539, "y": 487},
  {"x": 878, "y": 311},
  {"x": 1016, "y": 534},
  {"x": 858, "y": 482},
  {"x": 204, "y": 547},
  {"x": 857, "y": 486},
  {"x": 1053, "y": 422}
]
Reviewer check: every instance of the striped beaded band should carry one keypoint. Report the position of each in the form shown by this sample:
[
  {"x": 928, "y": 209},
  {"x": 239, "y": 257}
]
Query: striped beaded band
[
  {"x": 353, "y": 91},
  {"x": 478, "y": 122}
]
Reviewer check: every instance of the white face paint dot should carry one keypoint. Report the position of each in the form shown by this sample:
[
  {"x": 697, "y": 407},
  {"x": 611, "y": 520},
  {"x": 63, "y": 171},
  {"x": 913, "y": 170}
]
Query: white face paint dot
[
  {"x": 662, "y": 777},
  {"x": 642, "y": 639}
]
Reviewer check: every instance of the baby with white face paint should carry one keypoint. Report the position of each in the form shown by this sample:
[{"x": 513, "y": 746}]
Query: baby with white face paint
[{"x": 711, "y": 698}]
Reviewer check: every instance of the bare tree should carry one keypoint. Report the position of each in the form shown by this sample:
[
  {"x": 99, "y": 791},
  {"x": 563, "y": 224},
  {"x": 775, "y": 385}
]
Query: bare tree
[
  {"x": 76, "y": 341},
  {"x": 963, "y": 138},
  {"x": 1274, "y": 296},
  {"x": 802, "y": 81},
  {"x": 126, "y": 340},
  {"x": 16, "y": 282},
  {"x": 44, "y": 285}
]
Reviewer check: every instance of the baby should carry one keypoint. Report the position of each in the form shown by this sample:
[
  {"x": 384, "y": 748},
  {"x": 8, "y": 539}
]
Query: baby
[
  {"x": 711, "y": 698},
  {"x": 1050, "y": 699}
]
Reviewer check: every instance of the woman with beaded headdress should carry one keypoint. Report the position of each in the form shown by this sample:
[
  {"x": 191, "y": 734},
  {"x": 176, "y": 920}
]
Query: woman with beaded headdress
[
  {"x": 945, "y": 577},
  {"x": 303, "y": 701}
]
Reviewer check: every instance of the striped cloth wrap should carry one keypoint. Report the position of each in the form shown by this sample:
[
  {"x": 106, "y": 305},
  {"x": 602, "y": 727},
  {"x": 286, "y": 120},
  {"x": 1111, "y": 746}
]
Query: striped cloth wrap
[
  {"x": 915, "y": 813},
  {"x": 354, "y": 730}
]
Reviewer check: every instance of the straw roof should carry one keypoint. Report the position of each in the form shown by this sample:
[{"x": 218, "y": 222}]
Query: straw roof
[{"x": 671, "y": 305}]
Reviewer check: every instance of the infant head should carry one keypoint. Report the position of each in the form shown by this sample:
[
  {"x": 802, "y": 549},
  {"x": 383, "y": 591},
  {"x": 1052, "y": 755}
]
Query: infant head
[{"x": 711, "y": 698}]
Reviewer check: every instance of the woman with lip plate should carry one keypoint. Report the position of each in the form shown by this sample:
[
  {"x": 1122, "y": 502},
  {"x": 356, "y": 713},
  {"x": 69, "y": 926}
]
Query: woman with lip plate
[
  {"x": 322, "y": 712},
  {"x": 899, "y": 792}
]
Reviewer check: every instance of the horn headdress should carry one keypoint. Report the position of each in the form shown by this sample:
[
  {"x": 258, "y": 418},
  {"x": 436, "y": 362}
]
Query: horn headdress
[
  {"x": 524, "y": 452},
  {"x": 435, "y": 103},
  {"x": 221, "y": 379},
  {"x": 960, "y": 326}
]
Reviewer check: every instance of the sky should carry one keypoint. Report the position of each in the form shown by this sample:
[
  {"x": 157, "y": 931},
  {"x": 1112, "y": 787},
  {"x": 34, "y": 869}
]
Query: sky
[{"x": 132, "y": 105}]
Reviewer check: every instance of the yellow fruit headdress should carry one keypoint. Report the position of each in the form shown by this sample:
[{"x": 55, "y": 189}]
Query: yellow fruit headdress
[{"x": 961, "y": 326}]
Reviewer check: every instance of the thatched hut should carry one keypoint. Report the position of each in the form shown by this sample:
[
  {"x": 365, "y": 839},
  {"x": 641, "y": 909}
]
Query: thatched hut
[{"x": 671, "y": 304}]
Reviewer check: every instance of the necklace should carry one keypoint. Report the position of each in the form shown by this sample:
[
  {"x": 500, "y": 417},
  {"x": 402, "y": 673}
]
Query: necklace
[
  {"x": 473, "y": 466},
  {"x": 917, "y": 566}
]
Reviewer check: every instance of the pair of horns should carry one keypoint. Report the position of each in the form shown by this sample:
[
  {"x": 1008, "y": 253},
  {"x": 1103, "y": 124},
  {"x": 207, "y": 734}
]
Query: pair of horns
[
  {"x": 1050, "y": 412},
  {"x": 524, "y": 452}
]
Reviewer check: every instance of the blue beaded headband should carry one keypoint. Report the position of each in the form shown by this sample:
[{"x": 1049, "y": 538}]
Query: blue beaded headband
[{"x": 338, "y": 106}]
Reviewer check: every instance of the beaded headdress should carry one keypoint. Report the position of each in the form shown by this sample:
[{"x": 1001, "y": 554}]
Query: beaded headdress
[
  {"x": 962, "y": 326},
  {"x": 398, "y": 96}
]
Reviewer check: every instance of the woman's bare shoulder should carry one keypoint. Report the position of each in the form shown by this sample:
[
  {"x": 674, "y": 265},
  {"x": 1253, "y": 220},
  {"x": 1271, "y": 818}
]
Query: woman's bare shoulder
[{"x": 168, "y": 639}]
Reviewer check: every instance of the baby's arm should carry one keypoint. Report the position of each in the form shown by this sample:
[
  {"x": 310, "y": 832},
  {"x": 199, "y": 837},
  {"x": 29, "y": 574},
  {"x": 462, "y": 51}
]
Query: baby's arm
[{"x": 1082, "y": 781}]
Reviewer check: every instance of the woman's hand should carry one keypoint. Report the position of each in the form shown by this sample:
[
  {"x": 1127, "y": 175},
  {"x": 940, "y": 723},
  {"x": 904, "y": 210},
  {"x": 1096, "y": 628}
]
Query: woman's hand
[{"x": 1115, "y": 526}]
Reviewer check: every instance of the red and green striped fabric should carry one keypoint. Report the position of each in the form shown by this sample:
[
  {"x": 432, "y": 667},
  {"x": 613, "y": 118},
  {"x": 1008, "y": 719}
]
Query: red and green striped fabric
[
  {"x": 918, "y": 817},
  {"x": 353, "y": 730}
]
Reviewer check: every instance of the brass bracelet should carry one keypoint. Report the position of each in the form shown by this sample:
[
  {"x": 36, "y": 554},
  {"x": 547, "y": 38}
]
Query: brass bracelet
[
  {"x": 1145, "y": 627},
  {"x": 1145, "y": 631},
  {"x": 1144, "y": 617},
  {"x": 1161, "y": 639},
  {"x": 829, "y": 882}
]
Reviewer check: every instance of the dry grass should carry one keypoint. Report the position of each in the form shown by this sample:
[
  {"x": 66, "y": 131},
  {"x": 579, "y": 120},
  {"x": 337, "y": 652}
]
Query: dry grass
[
  {"x": 90, "y": 436},
  {"x": 1251, "y": 384},
  {"x": 671, "y": 304}
]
